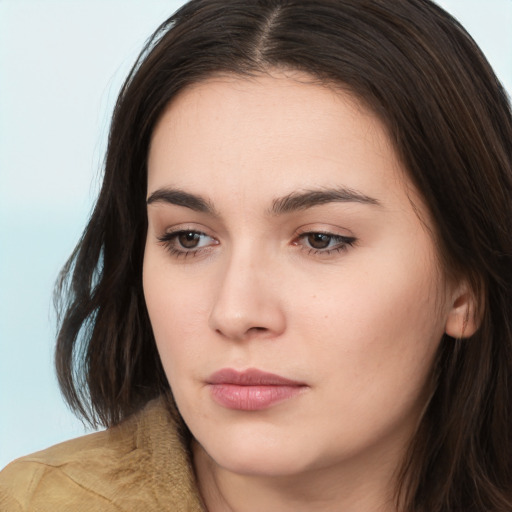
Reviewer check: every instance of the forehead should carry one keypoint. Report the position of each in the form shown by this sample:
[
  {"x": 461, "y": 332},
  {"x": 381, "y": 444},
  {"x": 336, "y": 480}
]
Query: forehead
[{"x": 270, "y": 134}]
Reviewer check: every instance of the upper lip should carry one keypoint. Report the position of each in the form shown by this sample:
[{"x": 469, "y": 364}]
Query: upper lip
[{"x": 250, "y": 377}]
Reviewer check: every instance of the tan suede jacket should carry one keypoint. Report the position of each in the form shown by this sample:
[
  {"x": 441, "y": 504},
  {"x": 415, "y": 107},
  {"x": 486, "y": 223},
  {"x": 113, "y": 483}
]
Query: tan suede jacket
[{"x": 138, "y": 466}]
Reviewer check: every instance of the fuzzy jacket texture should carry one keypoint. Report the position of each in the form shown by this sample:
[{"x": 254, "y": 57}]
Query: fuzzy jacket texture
[{"x": 140, "y": 465}]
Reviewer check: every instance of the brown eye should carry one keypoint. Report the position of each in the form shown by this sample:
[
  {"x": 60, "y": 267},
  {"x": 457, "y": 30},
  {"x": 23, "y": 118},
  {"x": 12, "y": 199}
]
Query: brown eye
[
  {"x": 319, "y": 240},
  {"x": 189, "y": 239},
  {"x": 187, "y": 242}
]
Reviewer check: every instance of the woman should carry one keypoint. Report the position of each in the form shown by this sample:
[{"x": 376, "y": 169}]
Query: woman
[{"x": 294, "y": 292}]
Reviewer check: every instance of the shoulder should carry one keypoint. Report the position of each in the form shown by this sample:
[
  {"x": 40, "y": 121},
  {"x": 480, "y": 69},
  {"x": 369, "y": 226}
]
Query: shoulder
[{"x": 138, "y": 465}]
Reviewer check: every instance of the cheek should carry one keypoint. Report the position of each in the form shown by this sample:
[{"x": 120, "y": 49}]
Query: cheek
[
  {"x": 377, "y": 332},
  {"x": 176, "y": 311}
]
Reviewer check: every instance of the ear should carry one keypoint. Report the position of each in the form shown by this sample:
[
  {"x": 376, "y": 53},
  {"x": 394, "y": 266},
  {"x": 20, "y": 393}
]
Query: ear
[{"x": 462, "y": 320}]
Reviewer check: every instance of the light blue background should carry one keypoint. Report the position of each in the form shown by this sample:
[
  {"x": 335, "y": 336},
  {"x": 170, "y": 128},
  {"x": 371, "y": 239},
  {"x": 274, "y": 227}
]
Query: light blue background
[{"x": 61, "y": 66}]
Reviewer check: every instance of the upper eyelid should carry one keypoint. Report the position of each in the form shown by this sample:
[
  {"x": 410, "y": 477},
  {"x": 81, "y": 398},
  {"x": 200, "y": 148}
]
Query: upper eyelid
[
  {"x": 330, "y": 230},
  {"x": 298, "y": 232},
  {"x": 193, "y": 227},
  {"x": 167, "y": 234},
  {"x": 200, "y": 228},
  {"x": 347, "y": 239},
  {"x": 169, "y": 241}
]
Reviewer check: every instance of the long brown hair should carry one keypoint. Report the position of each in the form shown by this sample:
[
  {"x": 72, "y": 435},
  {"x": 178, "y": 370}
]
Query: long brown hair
[{"x": 450, "y": 122}]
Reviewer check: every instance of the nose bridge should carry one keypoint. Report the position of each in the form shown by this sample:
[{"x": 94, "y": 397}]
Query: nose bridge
[{"x": 247, "y": 299}]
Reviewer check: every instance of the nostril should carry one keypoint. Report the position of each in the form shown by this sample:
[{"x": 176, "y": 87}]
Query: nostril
[{"x": 241, "y": 317}]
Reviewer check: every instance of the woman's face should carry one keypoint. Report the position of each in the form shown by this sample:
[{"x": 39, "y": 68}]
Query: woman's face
[{"x": 294, "y": 293}]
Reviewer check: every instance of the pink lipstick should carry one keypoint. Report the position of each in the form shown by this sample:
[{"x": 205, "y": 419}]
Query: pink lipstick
[{"x": 252, "y": 389}]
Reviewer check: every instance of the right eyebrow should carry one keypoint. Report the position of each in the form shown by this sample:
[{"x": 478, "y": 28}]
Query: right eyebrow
[{"x": 181, "y": 198}]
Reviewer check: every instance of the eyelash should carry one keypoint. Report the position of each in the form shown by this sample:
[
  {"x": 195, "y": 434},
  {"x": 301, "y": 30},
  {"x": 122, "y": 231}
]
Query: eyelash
[
  {"x": 170, "y": 242},
  {"x": 342, "y": 243}
]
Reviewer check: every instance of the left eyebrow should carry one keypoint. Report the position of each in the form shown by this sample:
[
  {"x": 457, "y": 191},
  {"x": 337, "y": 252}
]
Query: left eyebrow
[{"x": 309, "y": 198}]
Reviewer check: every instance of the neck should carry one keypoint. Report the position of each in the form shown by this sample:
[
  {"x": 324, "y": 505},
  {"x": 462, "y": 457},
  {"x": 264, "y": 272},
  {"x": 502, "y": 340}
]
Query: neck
[{"x": 367, "y": 488}]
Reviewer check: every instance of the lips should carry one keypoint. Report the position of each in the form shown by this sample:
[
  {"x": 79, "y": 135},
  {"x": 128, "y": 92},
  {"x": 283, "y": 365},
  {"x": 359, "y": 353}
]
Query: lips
[{"x": 252, "y": 389}]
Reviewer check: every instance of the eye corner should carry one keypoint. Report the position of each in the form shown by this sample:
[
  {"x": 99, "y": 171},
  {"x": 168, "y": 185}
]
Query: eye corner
[
  {"x": 184, "y": 242},
  {"x": 317, "y": 242}
]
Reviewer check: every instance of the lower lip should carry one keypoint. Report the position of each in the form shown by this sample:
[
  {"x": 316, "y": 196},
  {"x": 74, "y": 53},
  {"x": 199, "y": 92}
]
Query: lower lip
[{"x": 252, "y": 398}]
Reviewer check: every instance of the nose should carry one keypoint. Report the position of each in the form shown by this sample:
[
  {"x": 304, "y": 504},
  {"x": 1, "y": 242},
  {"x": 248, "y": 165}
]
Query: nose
[{"x": 248, "y": 300}]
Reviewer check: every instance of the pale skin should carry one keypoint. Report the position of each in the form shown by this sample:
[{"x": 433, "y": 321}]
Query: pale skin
[{"x": 340, "y": 290}]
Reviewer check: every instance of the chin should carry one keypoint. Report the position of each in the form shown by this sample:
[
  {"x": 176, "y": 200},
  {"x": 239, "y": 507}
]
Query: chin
[
  {"x": 259, "y": 463},
  {"x": 256, "y": 453}
]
